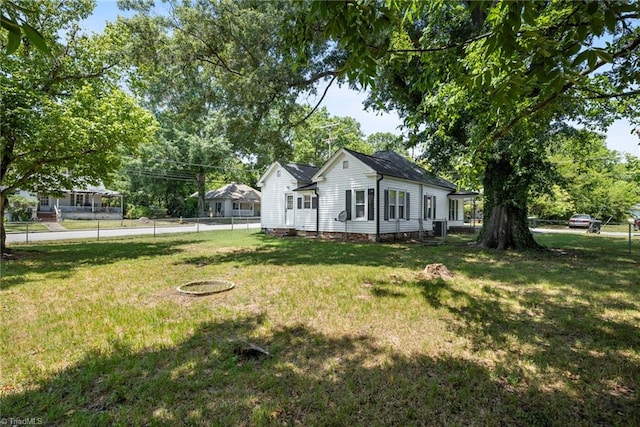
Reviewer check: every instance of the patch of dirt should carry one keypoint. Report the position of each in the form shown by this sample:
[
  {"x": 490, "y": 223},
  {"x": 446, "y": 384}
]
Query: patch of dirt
[{"x": 437, "y": 271}]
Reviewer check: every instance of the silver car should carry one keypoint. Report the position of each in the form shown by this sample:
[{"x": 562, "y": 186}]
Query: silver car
[{"x": 580, "y": 221}]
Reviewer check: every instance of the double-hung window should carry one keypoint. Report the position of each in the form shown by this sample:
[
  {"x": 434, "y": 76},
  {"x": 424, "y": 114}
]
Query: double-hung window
[
  {"x": 360, "y": 204},
  {"x": 453, "y": 209},
  {"x": 429, "y": 208},
  {"x": 307, "y": 201},
  {"x": 401, "y": 205},
  {"x": 392, "y": 204}
]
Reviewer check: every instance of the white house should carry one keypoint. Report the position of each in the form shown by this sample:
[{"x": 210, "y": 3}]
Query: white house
[
  {"x": 383, "y": 196},
  {"x": 284, "y": 187},
  {"x": 90, "y": 202},
  {"x": 232, "y": 200}
]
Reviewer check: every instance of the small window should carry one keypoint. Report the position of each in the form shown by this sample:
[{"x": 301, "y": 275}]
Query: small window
[
  {"x": 307, "y": 201},
  {"x": 44, "y": 200},
  {"x": 289, "y": 202},
  {"x": 400, "y": 204},
  {"x": 360, "y": 204},
  {"x": 345, "y": 164},
  {"x": 278, "y": 173}
]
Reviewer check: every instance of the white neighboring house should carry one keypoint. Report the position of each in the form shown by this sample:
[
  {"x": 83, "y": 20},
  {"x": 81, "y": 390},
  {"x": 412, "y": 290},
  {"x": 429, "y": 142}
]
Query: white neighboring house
[
  {"x": 285, "y": 186},
  {"x": 237, "y": 200},
  {"x": 384, "y": 196},
  {"x": 90, "y": 202}
]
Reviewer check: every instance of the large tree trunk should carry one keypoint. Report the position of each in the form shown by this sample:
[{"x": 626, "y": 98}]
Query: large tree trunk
[
  {"x": 505, "y": 209},
  {"x": 201, "y": 182},
  {"x": 3, "y": 233}
]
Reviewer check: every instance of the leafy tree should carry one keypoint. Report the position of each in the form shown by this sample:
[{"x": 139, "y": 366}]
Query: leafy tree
[
  {"x": 317, "y": 138},
  {"x": 387, "y": 141},
  {"x": 223, "y": 58},
  {"x": 222, "y": 97},
  {"x": 21, "y": 208},
  {"x": 590, "y": 179},
  {"x": 479, "y": 84},
  {"x": 65, "y": 122},
  {"x": 14, "y": 20}
]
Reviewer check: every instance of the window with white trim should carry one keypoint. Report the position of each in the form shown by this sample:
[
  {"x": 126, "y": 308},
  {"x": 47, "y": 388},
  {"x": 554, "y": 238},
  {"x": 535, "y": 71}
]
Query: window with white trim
[
  {"x": 401, "y": 210},
  {"x": 306, "y": 204},
  {"x": 429, "y": 208},
  {"x": 289, "y": 201},
  {"x": 43, "y": 199},
  {"x": 360, "y": 204}
]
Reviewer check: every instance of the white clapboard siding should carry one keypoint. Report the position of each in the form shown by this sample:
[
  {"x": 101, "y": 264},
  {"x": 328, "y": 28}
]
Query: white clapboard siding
[
  {"x": 332, "y": 189},
  {"x": 305, "y": 218},
  {"x": 274, "y": 188}
]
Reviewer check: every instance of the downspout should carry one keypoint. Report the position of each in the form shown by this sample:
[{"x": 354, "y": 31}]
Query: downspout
[
  {"x": 378, "y": 207},
  {"x": 315, "y": 191}
]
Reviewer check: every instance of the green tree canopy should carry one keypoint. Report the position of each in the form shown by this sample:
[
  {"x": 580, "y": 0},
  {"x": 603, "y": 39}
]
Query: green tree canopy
[
  {"x": 481, "y": 84},
  {"x": 318, "y": 137},
  {"x": 65, "y": 122}
]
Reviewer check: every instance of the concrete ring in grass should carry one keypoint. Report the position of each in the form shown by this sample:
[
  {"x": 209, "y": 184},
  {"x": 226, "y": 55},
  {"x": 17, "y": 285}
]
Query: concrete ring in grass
[{"x": 205, "y": 287}]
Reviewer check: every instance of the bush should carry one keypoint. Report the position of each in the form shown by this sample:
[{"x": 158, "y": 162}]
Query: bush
[
  {"x": 20, "y": 208},
  {"x": 134, "y": 212}
]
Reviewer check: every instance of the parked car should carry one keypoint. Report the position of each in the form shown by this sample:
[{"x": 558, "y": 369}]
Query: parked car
[
  {"x": 580, "y": 221},
  {"x": 636, "y": 224}
]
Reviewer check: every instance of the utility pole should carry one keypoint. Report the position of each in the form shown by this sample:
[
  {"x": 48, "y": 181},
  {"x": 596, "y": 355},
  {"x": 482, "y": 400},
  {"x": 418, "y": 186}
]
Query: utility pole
[{"x": 330, "y": 139}]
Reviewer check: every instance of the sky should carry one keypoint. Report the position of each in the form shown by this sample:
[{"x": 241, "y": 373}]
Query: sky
[{"x": 342, "y": 101}]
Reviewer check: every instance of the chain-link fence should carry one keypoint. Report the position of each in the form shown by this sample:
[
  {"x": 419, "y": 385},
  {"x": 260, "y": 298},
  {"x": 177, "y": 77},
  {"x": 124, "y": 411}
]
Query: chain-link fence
[{"x": 26, "y": 232}]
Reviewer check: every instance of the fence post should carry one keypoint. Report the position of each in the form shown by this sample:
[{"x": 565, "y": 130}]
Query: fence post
[
  {"x": 154, "y": 227},
  {"x": 98, "y": 230},
  {"x": 232, "y": 223},
  {"x": 27, "y": 233},
  {"x": 247, "y": 223},
  {"x": 629, "y": 238},
  {"x": 198, "y": 225}
]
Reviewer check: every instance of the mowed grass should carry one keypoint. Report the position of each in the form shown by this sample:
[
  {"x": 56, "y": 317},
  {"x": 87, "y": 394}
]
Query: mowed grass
[{"x": 96, "y": 333}]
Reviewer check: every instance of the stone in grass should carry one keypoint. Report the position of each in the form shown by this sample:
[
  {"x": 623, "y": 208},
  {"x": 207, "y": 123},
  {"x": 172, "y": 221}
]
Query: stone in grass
[
  {"x": 437, "y": 271},
  {"x": 250, "y": 351}
]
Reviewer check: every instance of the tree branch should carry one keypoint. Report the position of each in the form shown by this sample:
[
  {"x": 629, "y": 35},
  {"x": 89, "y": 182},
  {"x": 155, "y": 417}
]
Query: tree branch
[
  {"x": 541, "y": 105},
  {"x": 315, "y": 107}
]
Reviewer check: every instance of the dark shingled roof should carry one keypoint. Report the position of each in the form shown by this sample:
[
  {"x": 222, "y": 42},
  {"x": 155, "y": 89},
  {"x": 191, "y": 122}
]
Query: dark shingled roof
[
  {"x": 302, "y": 173},
  {"x": 393, "y": 164}
]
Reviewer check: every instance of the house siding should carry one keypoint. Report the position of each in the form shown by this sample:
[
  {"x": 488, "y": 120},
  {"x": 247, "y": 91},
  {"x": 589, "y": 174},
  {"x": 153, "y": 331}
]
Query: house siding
[
  {"x": 274, "y": 188},
  {"x": 339, "y": 182},
  {"x": 332, "y": 192},
  {"x": 305, "y": 217}
]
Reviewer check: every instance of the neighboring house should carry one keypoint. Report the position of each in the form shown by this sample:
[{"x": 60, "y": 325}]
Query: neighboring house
[
  {"x": 91, "y": 202},
  {"x": 237, "y": 200},
  {"x": 384, "y": 196}
]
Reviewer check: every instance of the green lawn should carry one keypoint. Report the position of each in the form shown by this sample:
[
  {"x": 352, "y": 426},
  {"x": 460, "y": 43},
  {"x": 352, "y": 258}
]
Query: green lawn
[
  {"x": 86, "y": 224},
  {"x": 23, "y": 227},
  {"x": 95, "y": 333}
]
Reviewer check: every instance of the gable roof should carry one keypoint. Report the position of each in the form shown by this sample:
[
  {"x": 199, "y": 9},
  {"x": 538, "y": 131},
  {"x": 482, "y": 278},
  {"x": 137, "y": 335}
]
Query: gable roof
[
  {"x": 233, "y": 191},
  {"x": 302, "y": 173},
  {"x": 393, "y": 164}
]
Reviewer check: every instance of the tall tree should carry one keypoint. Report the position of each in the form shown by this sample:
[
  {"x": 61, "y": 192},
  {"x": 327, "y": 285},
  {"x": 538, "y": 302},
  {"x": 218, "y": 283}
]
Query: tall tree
[
  {"x": 318, "y": 137},
  {"x": 591, "y": 179},
  {"x": 225, "y": 58},
  {"x": 64, "y": 121},
  {"x": 479, "y": 84}
]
